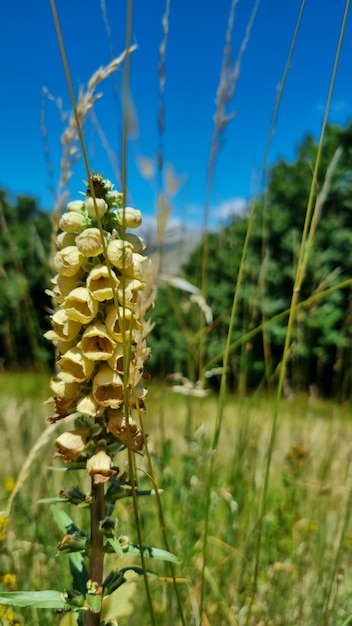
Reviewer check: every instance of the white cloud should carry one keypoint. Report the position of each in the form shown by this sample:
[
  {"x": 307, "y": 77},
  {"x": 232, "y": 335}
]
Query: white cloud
[
  {"x": 229, "y": 209},
  {"x": 191, "y": 224}
]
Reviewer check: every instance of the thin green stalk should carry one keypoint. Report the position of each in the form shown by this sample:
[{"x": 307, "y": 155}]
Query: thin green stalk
[
  {"x": 223, "y": 385},
  {"x": 279, "y": 316},
  {"x": 307, "y": 235}
]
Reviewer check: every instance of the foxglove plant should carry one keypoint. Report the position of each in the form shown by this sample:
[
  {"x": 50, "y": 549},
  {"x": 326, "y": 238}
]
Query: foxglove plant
[{"x": 100, "y": 334}]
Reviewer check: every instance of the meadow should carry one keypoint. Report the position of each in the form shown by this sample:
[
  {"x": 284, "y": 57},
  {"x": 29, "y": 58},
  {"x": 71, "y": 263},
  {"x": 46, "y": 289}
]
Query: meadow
[
  {"x": 306, "y": 535},
  {"x": 245, "y": 481}
]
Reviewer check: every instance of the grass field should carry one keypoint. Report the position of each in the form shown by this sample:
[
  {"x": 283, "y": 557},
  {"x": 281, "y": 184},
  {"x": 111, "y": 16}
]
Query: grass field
[{"x": 303, "y": 572}]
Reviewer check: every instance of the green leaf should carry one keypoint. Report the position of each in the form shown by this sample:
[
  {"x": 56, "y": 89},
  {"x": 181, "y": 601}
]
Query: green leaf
[
  {"x": 153, "y": 553},
  {"x": 64, "y": 522},
  {"x": 79, "y": 572},
  {"x": 94, "y": 602},
  {"x": 114, "y": 542},
  {"x": 54, "y": 500},
  {"x": 49, "y": 599}
]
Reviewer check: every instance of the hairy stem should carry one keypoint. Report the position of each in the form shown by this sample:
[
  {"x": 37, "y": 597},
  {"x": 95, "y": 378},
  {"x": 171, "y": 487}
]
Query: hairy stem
[{"x": 96, "y": 559}]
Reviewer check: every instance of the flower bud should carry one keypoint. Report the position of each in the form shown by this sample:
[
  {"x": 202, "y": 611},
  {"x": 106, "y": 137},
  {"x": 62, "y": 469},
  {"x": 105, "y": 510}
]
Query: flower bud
[
  {"x": 137, "y": 242},
  {"x": 129, "y": 217},
  {"x": 120, "y": 253},
  {"x": 72, "y": 222},
  {"x": 76, "y": 205},
  {"x": 90, "y": 243},
  {"x": 114, "y": 198},
  {"x": 96, "y": 207}
]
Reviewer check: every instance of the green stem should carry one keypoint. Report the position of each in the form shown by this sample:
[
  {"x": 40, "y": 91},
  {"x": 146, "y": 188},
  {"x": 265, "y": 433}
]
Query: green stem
[{"x": 96, "y": 558}]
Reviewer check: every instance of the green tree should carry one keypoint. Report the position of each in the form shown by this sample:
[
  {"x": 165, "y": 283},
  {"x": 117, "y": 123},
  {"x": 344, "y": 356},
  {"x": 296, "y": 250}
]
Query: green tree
[
  {"x": 24, "y": 253},
  {"x": 321, "y": 349}
]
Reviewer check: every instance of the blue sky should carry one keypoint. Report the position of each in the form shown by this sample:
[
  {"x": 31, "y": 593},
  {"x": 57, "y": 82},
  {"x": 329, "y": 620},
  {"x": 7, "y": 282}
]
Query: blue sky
[{"x": 31, "y": 60}]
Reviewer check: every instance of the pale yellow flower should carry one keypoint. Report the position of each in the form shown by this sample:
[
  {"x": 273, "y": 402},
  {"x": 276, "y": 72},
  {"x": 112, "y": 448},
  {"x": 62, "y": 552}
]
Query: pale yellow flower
[
  {"x": 100, "y": 466},
  {"x": 116, "y": 360},
  {"x": 96, "y": 206},
  {"x": 68, "y": 261},
  {"x": 121, "y": 324},
  {"x": 65, "y": 239},
  {"x": 136, "y": 270},
  {"x": 108, "y": 387},
  {"x": 76, "y": 205},
  {"x": 72, "y": 443},
  {"x": 88, "y": 406},
  {"x": 75, "y": 367},
  {"x": 66, "y": 284},
  {"x": 101, "y": 284},
  {"x": 129, "y": 217},
  {"x": 64, "y": 328},
  {"x": 96, "y": 343},
  {"x": 127, "y": 292},
  {"x": 64, "y": 389},
  {"x": 136, "y": 241},
  {"x": 90, "y": 242},
  {"x": 72, "y": 222},
  {"x": 120, "y": 253},
  {"x": 117, "y": 426},
  {"x": 66, "y": 394},
  {"x": 80, "y": 306}
]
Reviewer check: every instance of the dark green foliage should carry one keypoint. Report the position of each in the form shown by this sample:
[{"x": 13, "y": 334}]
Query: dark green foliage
[
  {"x": 321, "y": 350},
  {"x": 24, "y": 275}
]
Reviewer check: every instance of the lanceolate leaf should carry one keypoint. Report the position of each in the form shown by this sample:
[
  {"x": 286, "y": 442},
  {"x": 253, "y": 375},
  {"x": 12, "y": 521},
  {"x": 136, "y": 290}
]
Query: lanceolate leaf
[
  {"x": 114, "y": 542},
  {"x": 153, "y": 553},
  {"x": 49, "y": 599},
  {"x": 64, "y": 522}
]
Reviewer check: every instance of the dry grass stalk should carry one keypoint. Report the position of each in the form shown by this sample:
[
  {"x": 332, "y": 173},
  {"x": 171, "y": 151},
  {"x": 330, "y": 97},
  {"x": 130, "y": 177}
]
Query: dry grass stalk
[{"x": 70, "y": 153}]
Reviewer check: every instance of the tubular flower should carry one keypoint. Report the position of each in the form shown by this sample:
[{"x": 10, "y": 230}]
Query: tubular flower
[
  {"x": 118, "y": 427},
  {"x": 68, "y": 261},
  {"x": 72, "y": 443},
  {"x": 96, "y": 343},
  {"x": 120, "y": 253},
  {"x": 108, "y": 387},
  {"x": 121, "y": 323},
  {"x": 75, "y": 367},
  {"x": 101, "y": 283},
  {"x": 101, "y": 291},
  {"x": 100, "y": 467},
  {"x": 90, "y": 242},
  {"x": 80, "y": 306},
  {"x": 64, "y": 329}
]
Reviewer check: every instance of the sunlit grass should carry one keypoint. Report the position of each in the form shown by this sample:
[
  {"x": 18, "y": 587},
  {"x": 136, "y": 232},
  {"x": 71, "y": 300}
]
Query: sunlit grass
[{"x": 306, "y": 504}]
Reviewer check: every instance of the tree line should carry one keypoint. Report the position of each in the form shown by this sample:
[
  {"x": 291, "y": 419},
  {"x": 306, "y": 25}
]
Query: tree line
[
  {"x": 183, "y": 340},
  {"x": 320, "y": 354}
]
